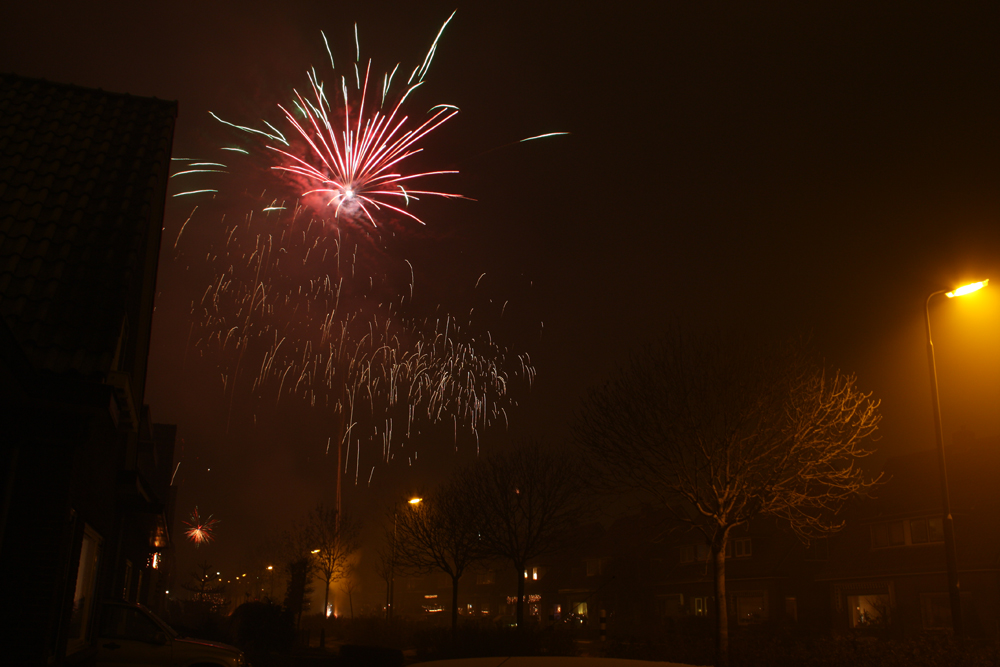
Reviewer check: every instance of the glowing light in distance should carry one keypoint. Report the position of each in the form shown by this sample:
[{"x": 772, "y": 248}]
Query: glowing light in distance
[{"x": 414, "y": 501}]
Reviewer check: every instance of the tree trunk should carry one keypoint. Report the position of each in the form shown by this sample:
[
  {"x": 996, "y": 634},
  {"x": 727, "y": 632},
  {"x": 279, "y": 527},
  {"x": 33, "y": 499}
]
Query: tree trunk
[
  {"x": 520, "y": 596},
  {"x": 454, "y": 604},
  {"x": 326, "y": 602},
  {"x": 721, "y": 611}
]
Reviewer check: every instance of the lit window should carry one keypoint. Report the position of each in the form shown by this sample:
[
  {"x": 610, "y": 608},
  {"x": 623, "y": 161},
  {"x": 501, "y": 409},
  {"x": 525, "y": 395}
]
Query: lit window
[
  {"x": 868, "y": 611},
  {"x": 534, "y": 573}
]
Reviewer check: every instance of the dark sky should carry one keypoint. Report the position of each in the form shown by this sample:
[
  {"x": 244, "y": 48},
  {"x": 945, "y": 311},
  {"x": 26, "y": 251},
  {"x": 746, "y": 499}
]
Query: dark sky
[{"x": 764, "y": 166}]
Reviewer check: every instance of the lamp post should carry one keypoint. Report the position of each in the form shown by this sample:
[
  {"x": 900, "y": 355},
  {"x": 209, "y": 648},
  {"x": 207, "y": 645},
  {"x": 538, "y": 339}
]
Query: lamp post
[
  {"x": 392, "y": 560},
  {"x": 951, "y": 557}
]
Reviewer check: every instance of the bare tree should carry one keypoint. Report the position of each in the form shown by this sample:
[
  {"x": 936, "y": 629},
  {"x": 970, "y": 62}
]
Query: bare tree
[
  {"x": 333, "y": 539},
  {"x": 721, "y": 433},
  {"x": 350, "y": 587},
  {"x": 441, "y": 533},
  {"x": 292, "y": 548},
  {"x": 528, "y": 502},
  {"x": 383, "y": 565}
]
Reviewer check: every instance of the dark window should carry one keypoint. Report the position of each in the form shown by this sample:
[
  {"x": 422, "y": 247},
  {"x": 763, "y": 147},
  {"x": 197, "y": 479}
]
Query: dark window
[
  {"x": 742, "y": 548},
  {"x": 935, "y": 529},
  {"x": 935, "y": 611},
  {"x": 888, "y": 534},
  {"x": 739, "y": 547},
  {"x": 750, "y": 609},
  {"x": 819, "y": 549}
]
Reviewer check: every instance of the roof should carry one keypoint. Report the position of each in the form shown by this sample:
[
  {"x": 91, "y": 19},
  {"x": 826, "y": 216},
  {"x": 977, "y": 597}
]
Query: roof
[{"x": 82, "y": 187}]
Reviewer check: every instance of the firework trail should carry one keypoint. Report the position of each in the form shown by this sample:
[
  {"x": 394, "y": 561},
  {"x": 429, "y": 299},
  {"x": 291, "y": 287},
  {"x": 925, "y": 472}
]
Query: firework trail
[{"x": 199, "y": 530}]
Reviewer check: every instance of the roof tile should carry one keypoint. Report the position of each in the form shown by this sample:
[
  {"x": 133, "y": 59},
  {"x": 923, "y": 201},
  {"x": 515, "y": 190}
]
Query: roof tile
[{"x": 81, "y": 173}]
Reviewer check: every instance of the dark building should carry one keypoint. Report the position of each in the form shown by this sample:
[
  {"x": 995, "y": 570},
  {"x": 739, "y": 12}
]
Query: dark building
[
  {"x": 887, "y": 569},
  {"x": 84, "y": 472}
]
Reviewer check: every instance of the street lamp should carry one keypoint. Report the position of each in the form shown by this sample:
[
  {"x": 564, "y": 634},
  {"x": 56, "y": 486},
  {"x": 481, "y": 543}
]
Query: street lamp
[
  {"x": 392, "y": 560},
  {"x": 950, "y": 552}
]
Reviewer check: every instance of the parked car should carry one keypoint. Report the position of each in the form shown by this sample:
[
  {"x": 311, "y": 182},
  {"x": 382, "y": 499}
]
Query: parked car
[{"x": 129, "y": 635}]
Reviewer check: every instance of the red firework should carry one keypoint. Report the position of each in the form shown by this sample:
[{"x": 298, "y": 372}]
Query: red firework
[
  {"x": 355, "y": 165},
  {"x": 199, "y": 530}
]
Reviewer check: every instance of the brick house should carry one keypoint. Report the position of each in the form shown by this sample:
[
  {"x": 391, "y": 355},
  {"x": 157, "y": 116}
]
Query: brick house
[{"x": 887, "y": 569}]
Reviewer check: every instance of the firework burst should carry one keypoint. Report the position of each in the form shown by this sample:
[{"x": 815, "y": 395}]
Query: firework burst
[
  {"x": 200, "y": 530},
  {"x": 291, "y": 313},
  {"x": 349, "y": 154}
]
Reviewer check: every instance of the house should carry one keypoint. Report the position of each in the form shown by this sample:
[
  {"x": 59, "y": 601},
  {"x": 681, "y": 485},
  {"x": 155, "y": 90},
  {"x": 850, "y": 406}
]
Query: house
[
  {"x": 888, "y": 570},
  {"x": 85, "y": 506},
  {"x": 644, "y": 572}
]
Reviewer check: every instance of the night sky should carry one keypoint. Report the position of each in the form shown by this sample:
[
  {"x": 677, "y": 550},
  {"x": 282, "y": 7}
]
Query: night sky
[{"x": 778, "y": 169}]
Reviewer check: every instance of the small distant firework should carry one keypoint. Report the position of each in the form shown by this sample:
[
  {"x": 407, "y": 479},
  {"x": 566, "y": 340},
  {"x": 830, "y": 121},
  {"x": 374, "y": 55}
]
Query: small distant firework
[
  {"x": 349, "y": 153},
  {"x": 200, "y": 530}
]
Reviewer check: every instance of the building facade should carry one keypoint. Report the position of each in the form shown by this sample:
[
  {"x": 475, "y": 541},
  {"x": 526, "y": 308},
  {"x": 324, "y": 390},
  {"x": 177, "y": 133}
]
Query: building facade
[{"x": 85, "y": 473}]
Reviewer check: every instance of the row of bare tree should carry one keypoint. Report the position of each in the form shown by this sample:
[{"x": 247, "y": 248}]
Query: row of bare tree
[
  {"x": 714, "y": 430},
  {"x": 514, "y": 505},
  {"x": 719, "y": 430}
]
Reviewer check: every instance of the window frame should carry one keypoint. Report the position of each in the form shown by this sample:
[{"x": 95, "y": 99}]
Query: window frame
[{"x": 881, "y": 532}]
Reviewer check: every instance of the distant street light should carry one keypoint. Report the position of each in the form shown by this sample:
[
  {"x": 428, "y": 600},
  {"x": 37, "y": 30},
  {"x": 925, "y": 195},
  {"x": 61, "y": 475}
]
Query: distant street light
[
  {"x": 392, "y": 560},
  {"x": 951, "y": 557}
]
